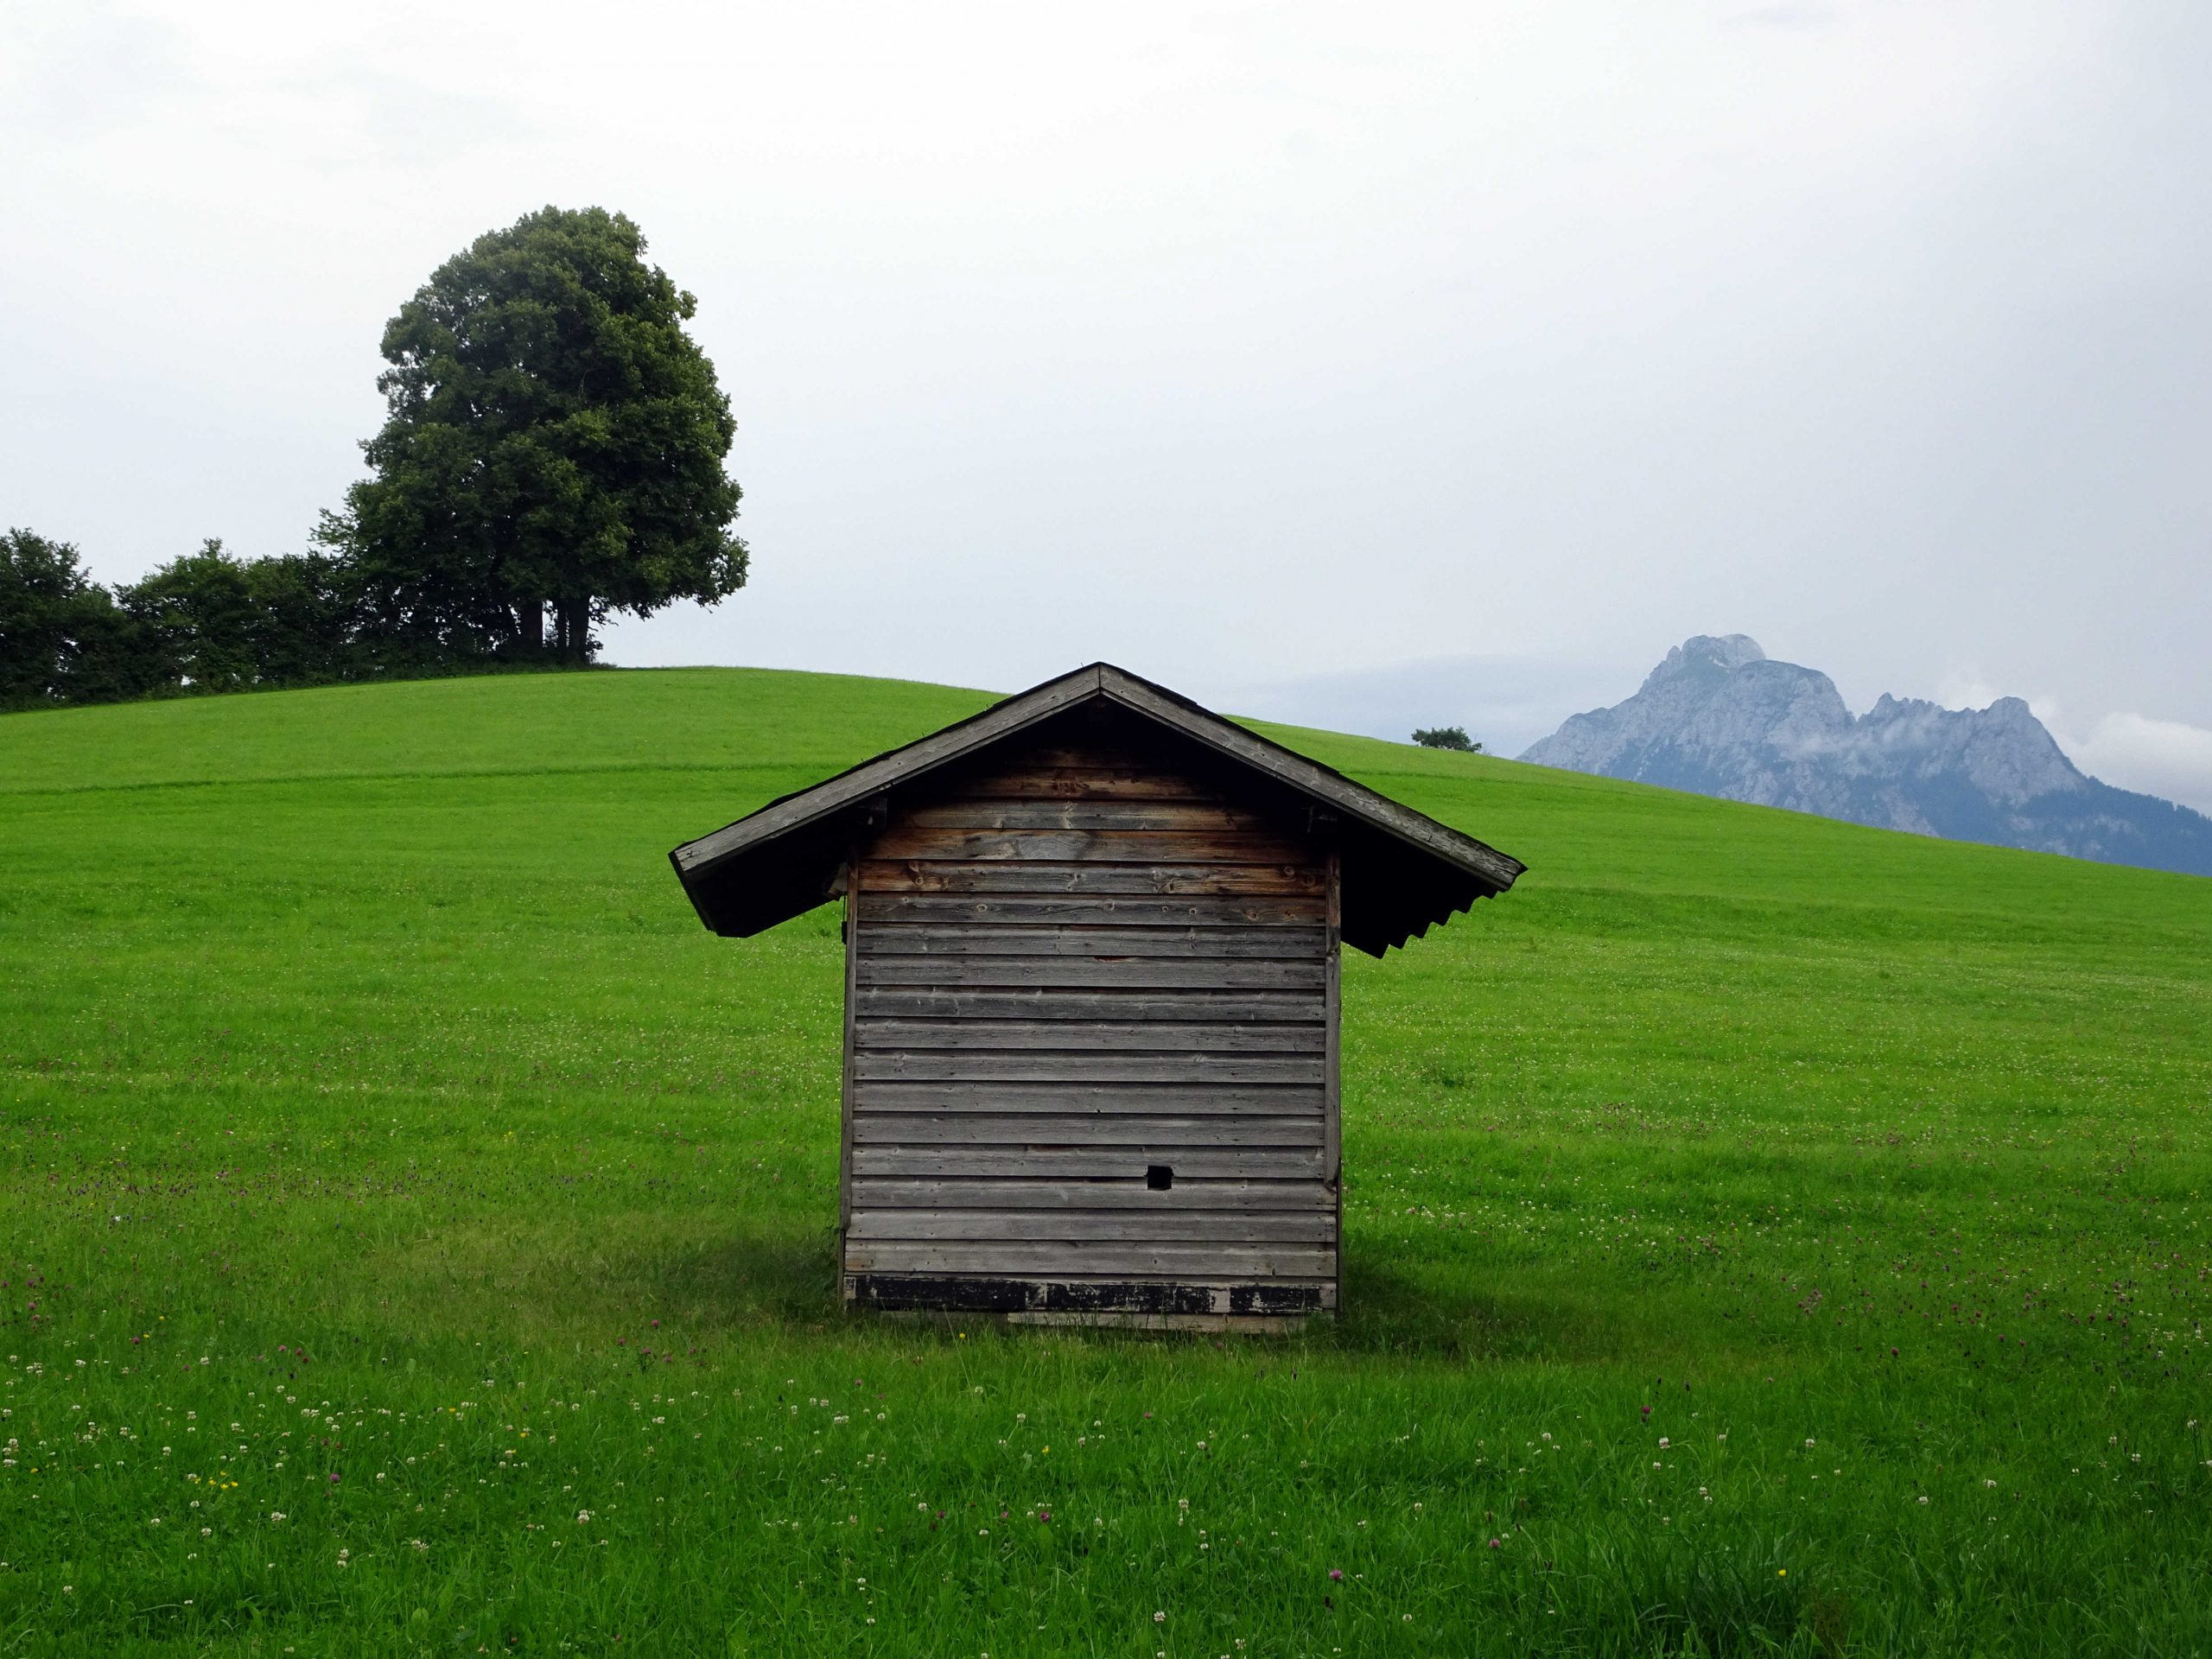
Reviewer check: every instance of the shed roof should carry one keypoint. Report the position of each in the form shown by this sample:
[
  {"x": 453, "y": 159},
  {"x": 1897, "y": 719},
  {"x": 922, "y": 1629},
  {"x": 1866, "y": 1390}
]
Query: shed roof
[{"x": 1402, "y": 871}]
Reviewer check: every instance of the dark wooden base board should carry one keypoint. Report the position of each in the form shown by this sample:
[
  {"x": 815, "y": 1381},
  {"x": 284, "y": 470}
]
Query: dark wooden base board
[
  {"x": 1152, "y": 1304},
  {"x": 1245, "y": 1324}
]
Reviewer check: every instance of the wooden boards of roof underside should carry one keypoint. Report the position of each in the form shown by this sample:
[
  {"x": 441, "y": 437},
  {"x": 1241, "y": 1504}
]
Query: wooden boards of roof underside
[
  {"x": 902, "y": 840},
  {"x": 1072, "y": 910},
  {"x": 1071, "y": 1255},
  {"x": 1188, "y": 816},
  {"x": 1105, "y": 937},
  {"x": 1063, "y": 774},
  {"x": 1079, "y": 876}
]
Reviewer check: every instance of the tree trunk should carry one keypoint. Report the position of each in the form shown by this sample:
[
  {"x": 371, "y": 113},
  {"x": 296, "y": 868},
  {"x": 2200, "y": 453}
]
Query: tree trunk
[
  {"x": 529, "y": 625},
  {"x": 575, "y": 631}
]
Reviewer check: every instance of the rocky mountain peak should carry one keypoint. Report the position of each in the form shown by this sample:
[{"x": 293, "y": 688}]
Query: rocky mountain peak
[
  {"x": 1707, "y": 654},
  {"x": 1719, "y": 717}
]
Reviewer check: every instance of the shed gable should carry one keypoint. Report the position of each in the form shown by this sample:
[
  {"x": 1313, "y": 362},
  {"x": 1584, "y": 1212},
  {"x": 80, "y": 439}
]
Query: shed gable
[{"x": 1403, "y": 872}]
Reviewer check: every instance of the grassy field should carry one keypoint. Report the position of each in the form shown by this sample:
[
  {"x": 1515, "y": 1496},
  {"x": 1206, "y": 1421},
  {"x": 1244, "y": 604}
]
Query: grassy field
[{"x": 1762, "y": 1234}]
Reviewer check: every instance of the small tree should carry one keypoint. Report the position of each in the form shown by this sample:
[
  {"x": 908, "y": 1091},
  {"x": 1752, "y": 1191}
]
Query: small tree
[
  {"x": 1448, "y": 737},
  {"x": 61, "y": 638},
  {"x": 306, "y": 616},
  {"x": 217, "y": 623},
  {"x": 554, "y": 437},
  {"x": 196, "y": 614}
]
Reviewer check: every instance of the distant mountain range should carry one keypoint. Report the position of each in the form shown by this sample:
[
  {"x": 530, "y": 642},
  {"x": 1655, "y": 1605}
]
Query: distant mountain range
[{"x": 1720, "y": 717}]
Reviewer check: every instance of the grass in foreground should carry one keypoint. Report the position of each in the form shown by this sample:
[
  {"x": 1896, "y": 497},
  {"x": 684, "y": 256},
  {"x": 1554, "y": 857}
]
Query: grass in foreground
[{"x": 1762, "y": 1234}]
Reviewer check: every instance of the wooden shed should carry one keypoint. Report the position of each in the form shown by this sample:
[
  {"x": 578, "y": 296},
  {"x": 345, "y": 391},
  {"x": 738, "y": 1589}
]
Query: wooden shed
[{"x": 1090, "y": 999}]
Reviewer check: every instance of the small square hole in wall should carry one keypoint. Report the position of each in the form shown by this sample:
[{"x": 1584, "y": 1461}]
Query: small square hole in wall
[{"x": 1159, "y": 1177}]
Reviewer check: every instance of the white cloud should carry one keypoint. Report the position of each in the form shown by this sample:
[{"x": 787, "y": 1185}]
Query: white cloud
[
  {"x": 1249, "y": 345},
  {"x": 1962, "y": 689},
  {"x": 2159, "y": 757}
]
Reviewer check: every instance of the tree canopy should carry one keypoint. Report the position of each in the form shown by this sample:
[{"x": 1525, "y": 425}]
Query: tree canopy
[
  {"x": 554, "y": 438},
  {"x": 1448, "y": 737},
  {"x": 205, "y": 622},
  {"x": 212, "y": 622},
  {"x": 62, "y": 637}
]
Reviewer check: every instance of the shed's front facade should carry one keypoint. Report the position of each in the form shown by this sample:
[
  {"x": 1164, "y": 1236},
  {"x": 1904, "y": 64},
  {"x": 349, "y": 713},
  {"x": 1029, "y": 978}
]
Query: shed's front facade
[{"x": 1091, "y": 995}]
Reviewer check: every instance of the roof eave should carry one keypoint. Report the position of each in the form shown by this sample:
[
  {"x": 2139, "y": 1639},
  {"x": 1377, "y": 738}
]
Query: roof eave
[
  {"x": 852, "y": 787},
  {"x": 816, "y": 807},
  {"x": 1309, "y": 777}
]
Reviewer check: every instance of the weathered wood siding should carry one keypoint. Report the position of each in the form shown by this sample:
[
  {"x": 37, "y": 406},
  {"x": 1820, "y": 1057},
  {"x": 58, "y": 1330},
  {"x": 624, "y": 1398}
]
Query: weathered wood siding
[{"x": 1068, "y": 971}]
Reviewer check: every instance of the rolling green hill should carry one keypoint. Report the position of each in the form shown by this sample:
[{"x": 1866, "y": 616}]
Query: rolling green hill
[{"x": 1771, "y": 1232}]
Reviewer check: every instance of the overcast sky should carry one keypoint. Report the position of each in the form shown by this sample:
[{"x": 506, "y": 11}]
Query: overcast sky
[{"x": 1351, "y": 364}]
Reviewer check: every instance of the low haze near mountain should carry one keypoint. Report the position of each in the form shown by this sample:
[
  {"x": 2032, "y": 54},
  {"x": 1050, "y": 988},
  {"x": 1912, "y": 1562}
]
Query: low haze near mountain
[{"x": 1372, "y": 366}]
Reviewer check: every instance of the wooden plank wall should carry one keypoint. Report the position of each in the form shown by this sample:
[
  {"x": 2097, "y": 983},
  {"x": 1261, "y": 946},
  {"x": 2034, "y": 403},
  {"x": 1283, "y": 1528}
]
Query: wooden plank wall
[{"x": 1065, "y": 970}]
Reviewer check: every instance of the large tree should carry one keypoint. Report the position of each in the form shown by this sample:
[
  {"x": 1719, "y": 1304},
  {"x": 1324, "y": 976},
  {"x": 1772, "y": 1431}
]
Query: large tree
[{"x": 554, "y": 438}]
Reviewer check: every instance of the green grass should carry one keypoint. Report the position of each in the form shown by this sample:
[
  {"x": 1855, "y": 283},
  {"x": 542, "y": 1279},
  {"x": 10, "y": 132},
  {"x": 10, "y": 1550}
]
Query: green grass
[{"x": 1777, "y": 1236}]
